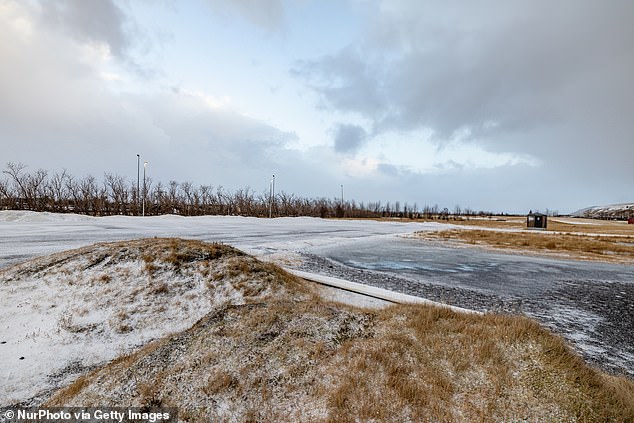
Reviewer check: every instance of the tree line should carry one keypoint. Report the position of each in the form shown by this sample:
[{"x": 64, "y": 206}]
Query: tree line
[{"x": 60, "y": 192}]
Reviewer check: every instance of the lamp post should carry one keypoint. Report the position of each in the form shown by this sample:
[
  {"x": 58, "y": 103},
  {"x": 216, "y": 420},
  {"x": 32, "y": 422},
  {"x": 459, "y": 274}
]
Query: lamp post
[
  {"x": 271, "y": 196},
  {"x": 144, "y": 186},
  {"x": 138, "y": 184}
]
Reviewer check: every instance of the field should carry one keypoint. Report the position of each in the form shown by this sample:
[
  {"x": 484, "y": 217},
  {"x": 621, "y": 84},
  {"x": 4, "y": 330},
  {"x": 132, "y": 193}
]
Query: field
[
  {"x": 224, "y": 336},
  {"x": 581, "y": 239}
]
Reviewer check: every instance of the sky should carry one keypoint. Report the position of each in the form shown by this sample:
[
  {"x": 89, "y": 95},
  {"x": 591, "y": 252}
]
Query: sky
[{"x": 500, "y": 106}]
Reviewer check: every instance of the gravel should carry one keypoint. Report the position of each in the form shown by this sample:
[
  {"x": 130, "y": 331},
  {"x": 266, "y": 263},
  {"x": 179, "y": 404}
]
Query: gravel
[{"x": 596, "y": 317}]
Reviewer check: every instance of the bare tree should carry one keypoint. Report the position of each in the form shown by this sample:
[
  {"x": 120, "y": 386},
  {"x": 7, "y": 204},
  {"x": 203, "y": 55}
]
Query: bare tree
[
  {"x": 15, "y": 171},
  {"x": 118, "y": 193},
  {"x": 88, "y": 192},
  {"x": 57, "y": 192},
  {"x": 7, "y": 195},
  {"x": 62, "y": 192}
]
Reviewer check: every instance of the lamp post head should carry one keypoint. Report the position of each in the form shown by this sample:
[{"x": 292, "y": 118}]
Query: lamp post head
[{"x": 144, "y": 164}]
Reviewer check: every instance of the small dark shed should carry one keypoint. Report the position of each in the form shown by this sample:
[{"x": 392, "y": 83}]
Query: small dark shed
[{"x": 536, "y": 220}]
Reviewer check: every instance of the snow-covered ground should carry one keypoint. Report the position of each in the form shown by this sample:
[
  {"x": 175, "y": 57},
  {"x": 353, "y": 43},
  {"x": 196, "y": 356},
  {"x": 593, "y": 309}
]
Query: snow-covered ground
[
  {"x": 28, "y": 234},
  {"x": 575, "y": 221},
  {"x": 86, "y": 312},
  {"x": 63, "y": 314},
  {"x": 610, "y": 210}
]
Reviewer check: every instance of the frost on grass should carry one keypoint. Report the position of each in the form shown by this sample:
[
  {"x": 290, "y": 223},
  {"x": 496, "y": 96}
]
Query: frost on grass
[
  {"x": 65, "y": 313},
  {"x": 289, "y": 359}
]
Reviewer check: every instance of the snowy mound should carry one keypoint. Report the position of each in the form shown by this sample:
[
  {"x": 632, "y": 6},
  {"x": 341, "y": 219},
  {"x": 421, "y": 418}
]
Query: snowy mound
[
  {"x": 613, "y": 211},
  {"x": 24, "y": 216},
  {"x": 68, "y": 312}
]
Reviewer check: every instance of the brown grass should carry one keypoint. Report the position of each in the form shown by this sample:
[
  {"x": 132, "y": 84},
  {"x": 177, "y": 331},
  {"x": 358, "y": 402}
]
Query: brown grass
[
  {"x": 575, "y": 245},
  {"x": 286, "y": 355},
  {"x": 569, "y": 225},
  {"x": 448, "y": 367},
  {"x": 312, "y": 361},
  {"x": 219, "y": 381}
]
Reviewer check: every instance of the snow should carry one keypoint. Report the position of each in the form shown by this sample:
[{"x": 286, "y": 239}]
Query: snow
[
  {"x": 71, "y": 314},
  {"x": 574, "y": 222},
  {"x": 372, "y": 291},
  {"x": 354, "y": 299},
  {"x": 28, "y": 234},
  {"x": 607, "y": 209},
  {"x": 74, "y": 315}
]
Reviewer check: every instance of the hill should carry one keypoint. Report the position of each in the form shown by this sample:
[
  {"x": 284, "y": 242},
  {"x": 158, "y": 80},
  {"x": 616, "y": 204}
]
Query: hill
[{"x": 613, "y": 212}]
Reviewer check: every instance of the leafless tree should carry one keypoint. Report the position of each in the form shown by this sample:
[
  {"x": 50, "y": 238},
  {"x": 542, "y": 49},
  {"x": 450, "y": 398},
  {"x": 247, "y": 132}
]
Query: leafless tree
[
  {"x": 62, "y": 192},
  {"x": 118, "y": 193},
  {"x": 57, "y": 192},
  {"x": 18, "y": 180},
  {"x": 7, "y": 195}
]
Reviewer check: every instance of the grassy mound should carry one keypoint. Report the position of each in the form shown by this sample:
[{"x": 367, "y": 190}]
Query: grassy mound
[
  {"x": 305, "y": 360},
  {"x": 68, "y": 312}
]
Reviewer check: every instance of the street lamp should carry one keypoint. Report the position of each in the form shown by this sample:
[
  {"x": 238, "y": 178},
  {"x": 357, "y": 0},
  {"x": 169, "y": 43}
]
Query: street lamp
[
  {"x": 138, "y": 184},
  {"x": 144, "y": 187},
  {"x": 271, "y": 196}
]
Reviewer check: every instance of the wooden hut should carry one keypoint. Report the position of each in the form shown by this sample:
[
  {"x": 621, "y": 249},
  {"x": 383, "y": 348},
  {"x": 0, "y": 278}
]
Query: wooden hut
[{"x": 536, "y": 220}]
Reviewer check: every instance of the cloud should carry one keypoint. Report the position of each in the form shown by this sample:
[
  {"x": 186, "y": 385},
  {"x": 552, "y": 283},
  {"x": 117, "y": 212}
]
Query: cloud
[
  {"x": 346, "y": 81},
  {"x": 90, "y": 21},
  {"x": 349, "y": 138},
  {"x": 389, "y": 170},
  {"x": 265, "y": 14},
  {"x": 491, "y": 103},
  {"x": 554, "y": 80},
  {"x": 57, "y": 112}
]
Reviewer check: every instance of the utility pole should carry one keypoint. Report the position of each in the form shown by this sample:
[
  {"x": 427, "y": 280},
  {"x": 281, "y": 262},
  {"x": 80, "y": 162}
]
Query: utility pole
[{"x": 341, "y": 195}]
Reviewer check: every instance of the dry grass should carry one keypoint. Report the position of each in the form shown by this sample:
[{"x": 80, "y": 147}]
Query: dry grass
[
  {"x": 568, "y": 225},
  {"x": 289, "y": 360},
  {"x": 445, "y": 367},
  {"x": 276, "y": 352},
  {"x": 619, "y": 249}
]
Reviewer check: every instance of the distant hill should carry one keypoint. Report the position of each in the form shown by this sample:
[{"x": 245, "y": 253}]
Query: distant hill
[{"x": 612, "y": 211}]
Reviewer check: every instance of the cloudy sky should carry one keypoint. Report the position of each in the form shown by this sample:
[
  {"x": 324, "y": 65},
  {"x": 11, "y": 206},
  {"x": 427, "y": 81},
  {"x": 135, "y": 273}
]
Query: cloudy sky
[{"x": 496, "y": 105}]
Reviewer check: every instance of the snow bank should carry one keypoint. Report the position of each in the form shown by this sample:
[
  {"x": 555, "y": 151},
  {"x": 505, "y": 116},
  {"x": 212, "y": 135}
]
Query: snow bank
[{"x": 68, "y": 312}]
